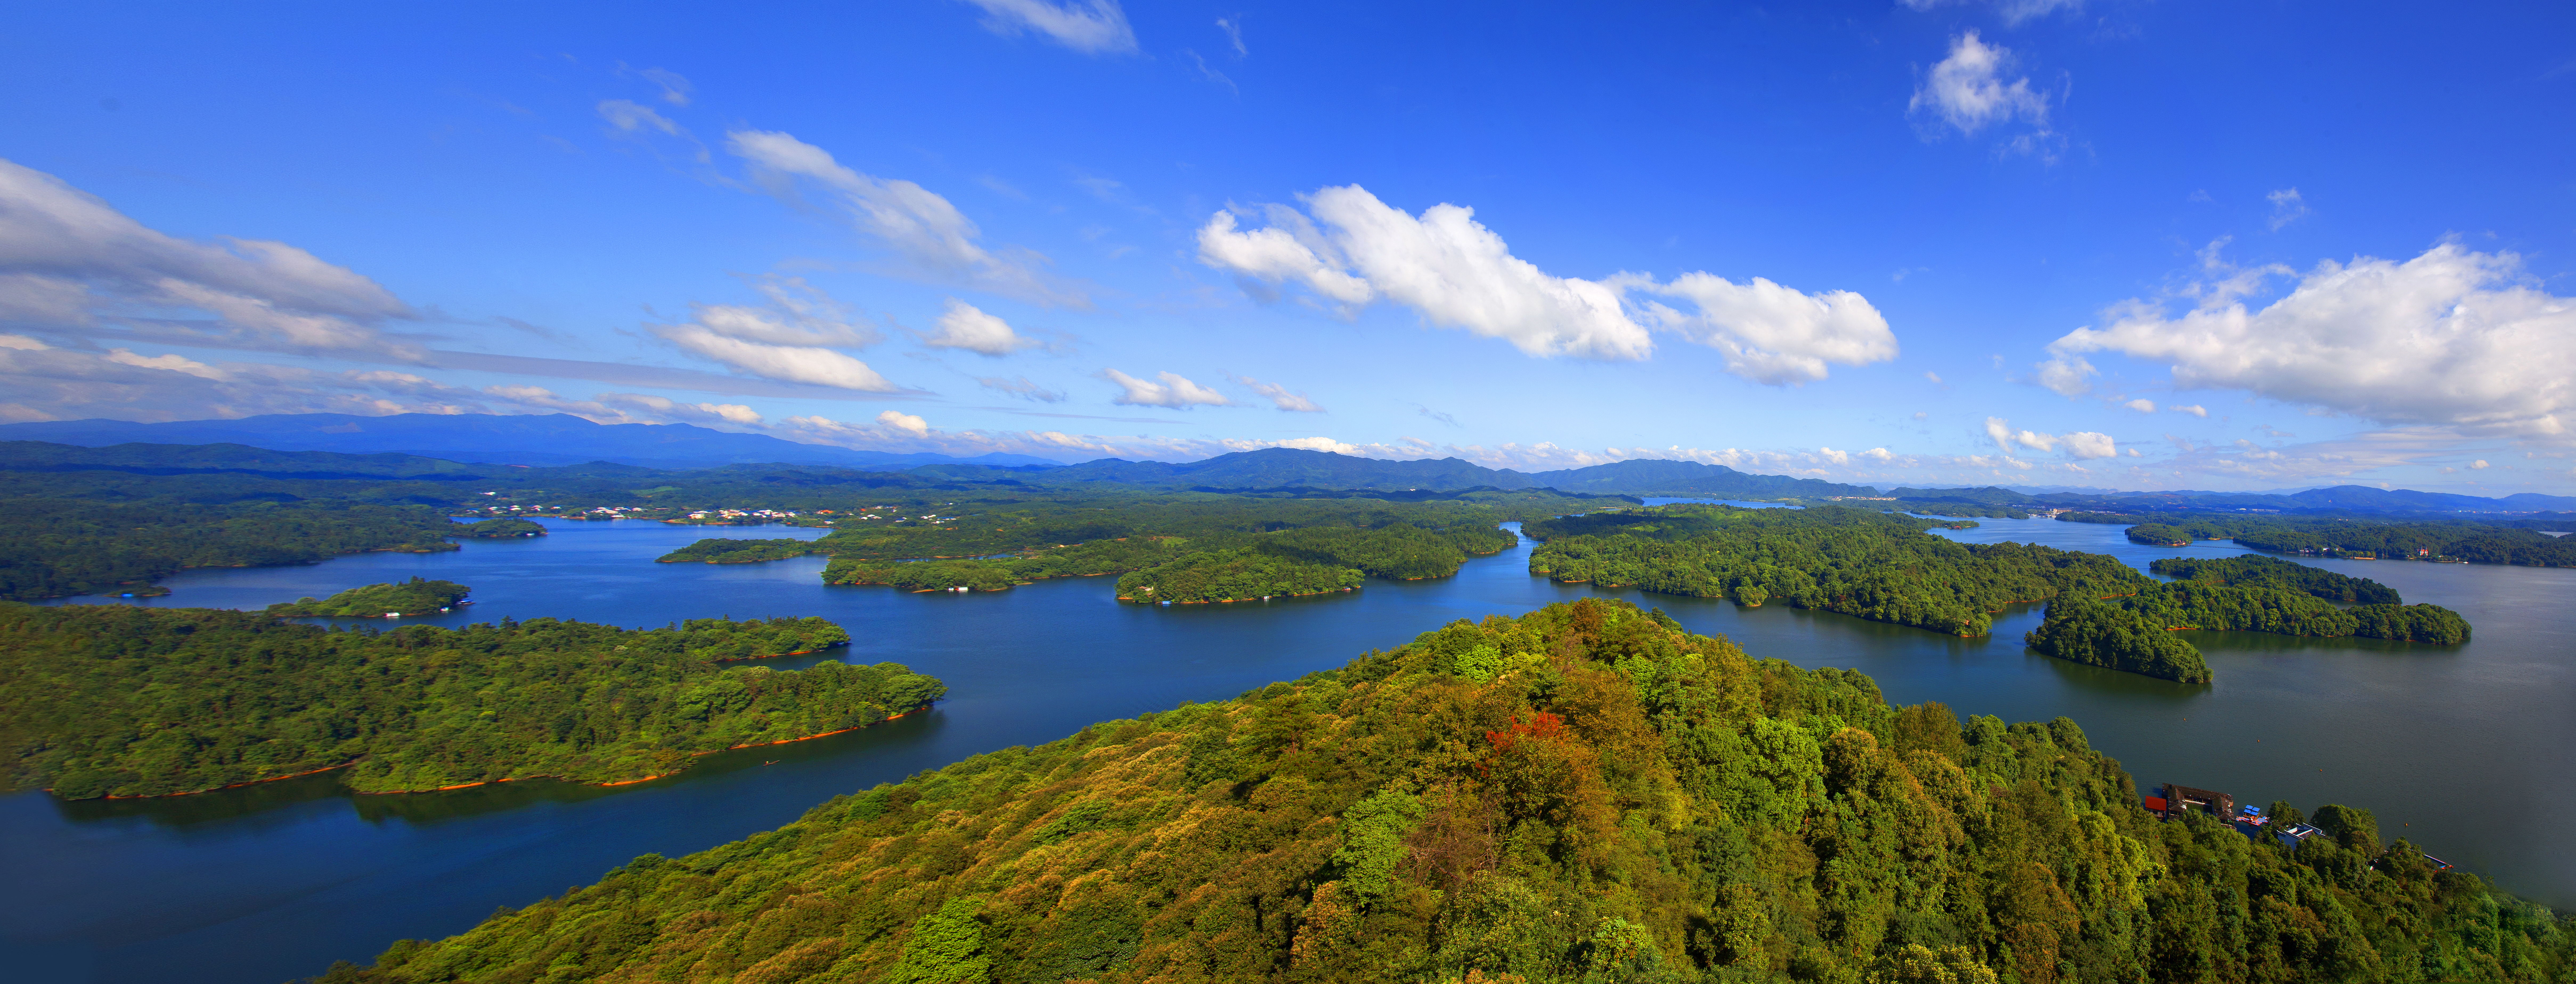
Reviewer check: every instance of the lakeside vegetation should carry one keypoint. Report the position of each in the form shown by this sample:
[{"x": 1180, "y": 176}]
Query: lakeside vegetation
[
  {"x": 2463, "y": 541},
  {"x": 1859, "y": 562},
  {"x": 2253, "y": 570},
  {"x": 1296, "y": 540},
  {"x": 54, "y": 548},
  {"x": 2116, "y": 637},
  {"x": 109, "y": 700},
  {"x": 1882, "y": 567},
  {"x": 506, "y": 526},
  {"x": 1585, "y": 793},
  {"x": 412, "y": 597},
  {"x": 721, "y": 551},
  {"x": 1247, "y": 574}
]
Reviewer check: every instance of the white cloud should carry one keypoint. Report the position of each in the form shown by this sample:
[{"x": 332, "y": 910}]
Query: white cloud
[
  {"x": 2193, "y": 409},
  {"x": 70, "y": 263},
  {"x": 1233, "y": 28},
  {"x": 933, "y": 239},
  {"x": 1773, "y": 334},
  {"x": 632, "y": 117},
  {"x": 2141, "y": 405},
  {"x": 1174, "y": 391},
  {"x": 2452, "y": 337},
  {"x": 1280, "y": 396},
  {"x": 963, "y": 326},
  {"x": 2014, "y": 12},
  {"x": 1352, "y": 249},
  {"x": 1093, "y": 27},
  {"x": 2286, "y": 207},
  {"x": 2065, "y": 375},
  {"x": 1934, "y": 377},
  {"x": 908, "y": 423},
  {"x": 2089, "y": 444},
  {"x": 787, "y": 340},
  {"x": 2480, "y": 463},
  {"x": 675, "y": 87},
  {"x": 1967, "y": 90},
  {"x": 1021, "y": 387}
]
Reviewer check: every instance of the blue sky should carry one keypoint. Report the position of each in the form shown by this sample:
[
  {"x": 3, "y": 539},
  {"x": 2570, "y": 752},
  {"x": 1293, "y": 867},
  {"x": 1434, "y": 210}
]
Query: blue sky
[{"x": 2037, "y": 242}]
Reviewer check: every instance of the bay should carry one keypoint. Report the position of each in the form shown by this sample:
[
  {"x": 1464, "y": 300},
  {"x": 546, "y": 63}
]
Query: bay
[{"x": 2462, "y": 749}]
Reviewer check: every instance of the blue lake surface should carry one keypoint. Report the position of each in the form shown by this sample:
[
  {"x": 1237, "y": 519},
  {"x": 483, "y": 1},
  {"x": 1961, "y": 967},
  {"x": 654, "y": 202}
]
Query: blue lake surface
[{"x": 2464, "y": 749}]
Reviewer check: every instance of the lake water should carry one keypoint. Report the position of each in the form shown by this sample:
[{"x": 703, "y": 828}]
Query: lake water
[{"x": 2462, "y": 749}]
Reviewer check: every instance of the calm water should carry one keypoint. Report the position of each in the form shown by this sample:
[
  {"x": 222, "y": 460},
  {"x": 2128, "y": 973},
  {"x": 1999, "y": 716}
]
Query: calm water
[{"x": 256, "y": 885}]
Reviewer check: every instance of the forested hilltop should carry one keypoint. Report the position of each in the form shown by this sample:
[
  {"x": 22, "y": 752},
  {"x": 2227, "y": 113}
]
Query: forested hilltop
[
  {"x": 53, "y": 548},
  {"x": 110, "y": 700},
  {"x": 1585, "y": 793},
  {"x": 1882, "y": 567}
]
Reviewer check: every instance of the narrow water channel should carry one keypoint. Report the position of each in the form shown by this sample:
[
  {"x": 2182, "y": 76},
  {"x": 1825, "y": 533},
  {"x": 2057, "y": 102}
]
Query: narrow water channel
[{"x": 2461, "y": 749}]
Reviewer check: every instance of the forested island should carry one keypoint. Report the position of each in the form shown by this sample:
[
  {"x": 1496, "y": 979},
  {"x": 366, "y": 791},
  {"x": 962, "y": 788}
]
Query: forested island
[
  {"x": 412, "y": 597},
  {"x": 1585, "y": 793},
  {"x": 1882, "y": 567},
  {"x": 1860, "y": 562},
  {"x": 2457, "y": 541},
  {"x": 507, "y": 526},
  {"x": 1246, "y": 574},
  {"x": 109, "y": 700},
  {"x": 720, "y": 551},
  {"x": 1263, "y": 547}
]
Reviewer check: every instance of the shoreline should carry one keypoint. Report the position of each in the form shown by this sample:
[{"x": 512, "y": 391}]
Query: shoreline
[{"x": 492, "y": 782}]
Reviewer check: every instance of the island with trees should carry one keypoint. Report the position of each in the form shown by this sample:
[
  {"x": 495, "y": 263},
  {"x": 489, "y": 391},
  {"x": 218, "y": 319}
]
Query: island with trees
[
  {"x": 1300, "y": 539},
  {"x": 2378, "y": 538},
  {"x": 53, "y": 548},
  {"x": 413, "y": 597},
  {"x": 226, "y": 698},
  {"x": 507, "y": 526},
  {"x": 721, "y": 551},
  {"x": 1882, "y": 567},
  {"x": 1586, "y": 793},
  {"x": 1245, "y": 574}
]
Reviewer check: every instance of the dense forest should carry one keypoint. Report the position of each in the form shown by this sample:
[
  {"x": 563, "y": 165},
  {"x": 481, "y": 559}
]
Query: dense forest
[
  {"x": 2079, "y": 630},
  {"x": 412, "y": 597},
  {"x": 2257, "y": 570},
  {"x": 1246, "y": 574},
  {"x": 53, "y": 548},
  {"x": 2466, "y": 541},
  {"x": 1376, "y": 538},
  {"x": 109, "y": 700},
  {"x": 506, "y": 526},
  {"x": 1859, "y": 562},
  {"x": 1582, "y": 794},
  {"x": 719, "y": 551},
  {"x": 2257, "y": 608}
]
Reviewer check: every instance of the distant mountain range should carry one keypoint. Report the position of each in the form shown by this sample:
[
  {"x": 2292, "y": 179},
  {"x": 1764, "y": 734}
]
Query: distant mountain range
[
  {"x": 1292, "y": 468},
  {"x": 563, "y": 439},
  {"x": 515, "y": 439}
]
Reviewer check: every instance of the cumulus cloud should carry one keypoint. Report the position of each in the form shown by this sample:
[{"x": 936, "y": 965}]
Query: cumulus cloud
[
  {"x": 929, "y": 235},
  {"x": 1280, "y": 396},
  {"x": 2141, "y": 405},
  {"x": 908, "y": 423},
  {"x": 1351, "y": 249},
  {"x": 2089, "y": 444},
  {"x": 1174, "y": 391},
  {"x": 2453, "y": 337},
  {"x": 1020, "y": 387},
  {"x": 2193, "y": 409},
  {"x": 1968, "y": 92},
  {"x": 72, "y": 264},
  {"x": 1095, "y": 27},
  {"x": 964, "y": 326},
  {"x": 790, "y": 339}
]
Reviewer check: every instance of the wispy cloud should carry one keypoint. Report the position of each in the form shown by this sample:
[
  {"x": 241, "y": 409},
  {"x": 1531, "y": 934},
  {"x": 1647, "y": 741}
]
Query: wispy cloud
[{"x": 1093, "y": 27}]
